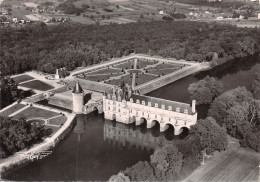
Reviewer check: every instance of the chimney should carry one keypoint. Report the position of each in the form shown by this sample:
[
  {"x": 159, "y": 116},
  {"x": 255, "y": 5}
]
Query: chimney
[{"x": 193, "y": 106}]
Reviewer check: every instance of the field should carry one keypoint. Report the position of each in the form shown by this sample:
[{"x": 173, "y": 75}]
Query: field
[
  {"x": 22, "y": 78},
  {"x": 37, "y": 84},
  {"x": 33, "y": 112},
  {"x": 12, "y": 109},
  {"x": 229, "y": 166},
  {"x": 58, "y": 120}
]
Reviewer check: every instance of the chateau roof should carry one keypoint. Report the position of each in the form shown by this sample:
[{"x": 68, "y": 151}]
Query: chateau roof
[
  {"x": 161, "y": 102},
  {"x": 77, "y": 89}
]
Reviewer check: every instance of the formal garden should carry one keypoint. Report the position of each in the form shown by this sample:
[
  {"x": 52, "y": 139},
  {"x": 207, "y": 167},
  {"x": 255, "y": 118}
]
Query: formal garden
[{"x": 138, "y": 70}]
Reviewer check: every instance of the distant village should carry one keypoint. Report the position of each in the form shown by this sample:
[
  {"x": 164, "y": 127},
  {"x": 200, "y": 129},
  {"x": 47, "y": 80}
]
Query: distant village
[{"x": 30, "y": 12}]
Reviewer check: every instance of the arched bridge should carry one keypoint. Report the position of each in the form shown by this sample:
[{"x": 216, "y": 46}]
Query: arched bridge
[{"x": 140, "y": 109}]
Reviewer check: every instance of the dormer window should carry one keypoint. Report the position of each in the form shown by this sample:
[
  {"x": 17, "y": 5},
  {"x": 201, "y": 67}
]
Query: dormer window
[
  {"x": 149, "y": 104},
  {"x": 163, "y": 106},
  {"x": 137, "y": 101},
  {"x": 131, "y": 100},
  {"x": 177, "y": 109},
  {"x": 185, "y": 111},
  {"x": 170, "y": 108},
  {"x": 156, "y": 105},
  {"x": 143, "y": 102}
]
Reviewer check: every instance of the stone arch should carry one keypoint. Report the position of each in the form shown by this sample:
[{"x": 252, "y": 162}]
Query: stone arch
[
  {"x": 140, "y": 120},
  {"x": 152, "y": 123},
  {"x": 155, "y": 128},
  {"x": 95, "y": 110},
  {"x": 184, "y": 131},
  {"x": 143, "y": 125},
  {"x": 166, "y": 127},
  {"x": 169, "y": 132}
]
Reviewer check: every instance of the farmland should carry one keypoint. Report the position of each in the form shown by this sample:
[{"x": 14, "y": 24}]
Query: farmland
[
  {"x": 231, "y": 165},
  {"x": 89, "y": 11}
]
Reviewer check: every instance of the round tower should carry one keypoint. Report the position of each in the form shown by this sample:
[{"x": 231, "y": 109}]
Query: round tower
[{"x": 78, "y": 98}]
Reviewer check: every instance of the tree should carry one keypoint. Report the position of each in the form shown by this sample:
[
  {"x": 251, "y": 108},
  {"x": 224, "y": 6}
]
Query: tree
[
  {"x": 142, "y": 171},
  {"x": 120, "y": 177},
  {"x": 205, "y": 90},
  {"x": 220, "y": 106},
  {"x": 255, "y": 86},
  {"x": 16, "y": 135},
  {"x": 238, "y": 112},
  {"x": 168, "y": 162},
  {"x": 10, "y": 92},
  {"x": 212, "y": 136},
  {"x": 84, "y": 64}
]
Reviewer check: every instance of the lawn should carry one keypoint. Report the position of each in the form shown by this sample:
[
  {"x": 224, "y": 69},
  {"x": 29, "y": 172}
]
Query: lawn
[
  {"x": 162, "y": 71},
  {"x": 98, "y": 78},
  {"x": 143, "y": 78},
  {"x": 34, "y": 112},
  {"x": 165, "y": 65},
  {"x": 125, "y": 65},
  {"x": 58, "y": 121},
  {"x": 22, "y": 78},
  {"x": 37, "y": 84},
  {"x": 228, "y": 166},
  {"x": 143, "y": 63},
  {"x": 105, "y": 71},
  {"x": 11, "y": 110},
  {"x": 125, "y": 79}
]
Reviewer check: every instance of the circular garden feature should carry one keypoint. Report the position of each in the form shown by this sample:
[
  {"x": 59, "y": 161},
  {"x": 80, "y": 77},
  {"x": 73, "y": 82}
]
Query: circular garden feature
[{"x": 36, "y": 122}]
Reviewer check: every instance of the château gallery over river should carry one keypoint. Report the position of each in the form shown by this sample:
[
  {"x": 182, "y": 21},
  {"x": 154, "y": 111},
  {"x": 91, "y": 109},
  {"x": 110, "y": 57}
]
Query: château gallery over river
[{"x": 113, "y": 104}]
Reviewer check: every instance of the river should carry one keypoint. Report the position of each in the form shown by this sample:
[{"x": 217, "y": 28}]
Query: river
[{"x": 98, "y": 148}]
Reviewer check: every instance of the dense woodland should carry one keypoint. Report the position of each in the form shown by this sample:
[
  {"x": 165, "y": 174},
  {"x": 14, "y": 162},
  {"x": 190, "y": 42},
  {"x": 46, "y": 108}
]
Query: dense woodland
[
  {"x": 45, "y": 48},
  {"x": 238, "y": 112},
  {"x": 16, "y": 135},
  {"x": 10, "y": 92}
]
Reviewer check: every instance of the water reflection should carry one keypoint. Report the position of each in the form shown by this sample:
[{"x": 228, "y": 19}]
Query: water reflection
[{"x": 122, "y": 135}]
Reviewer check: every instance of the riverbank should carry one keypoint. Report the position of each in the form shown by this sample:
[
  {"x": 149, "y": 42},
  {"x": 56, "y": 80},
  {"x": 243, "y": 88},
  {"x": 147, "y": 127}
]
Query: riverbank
[{"x": 16, "y": 159}]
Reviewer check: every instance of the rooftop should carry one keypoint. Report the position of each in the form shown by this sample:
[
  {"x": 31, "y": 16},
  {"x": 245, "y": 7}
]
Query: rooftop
[
  {"x": 161, "y": 102},
  {"x": 77, "y": 89}
]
